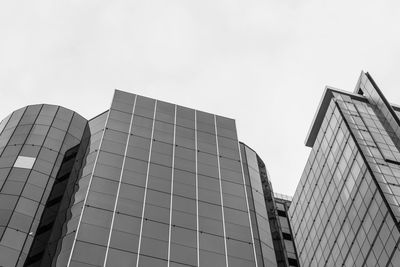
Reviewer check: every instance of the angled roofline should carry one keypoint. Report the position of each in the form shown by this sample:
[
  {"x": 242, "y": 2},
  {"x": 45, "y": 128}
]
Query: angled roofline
[
  {"x": 357, "y": 94},
  {"x": 385, "y": 101},
  {"x": 321, "y": 111},
  {"x": 159, "y": 100},
  {"x": 98, "y": 115}
]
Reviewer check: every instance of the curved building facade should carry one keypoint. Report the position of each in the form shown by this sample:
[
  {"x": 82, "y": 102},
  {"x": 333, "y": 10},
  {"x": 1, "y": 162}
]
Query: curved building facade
[
  {"x": 146, "y": 183},
  {"x": 271, "y": 228},
  {"x": 42, "y": 148}
]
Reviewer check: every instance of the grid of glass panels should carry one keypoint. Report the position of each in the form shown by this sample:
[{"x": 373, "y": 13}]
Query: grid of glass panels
[
  {"x": 368, "y": 88},
  {"x": 258, "y": 209},
  {"x": 96, "y": 126},
  {"x": 43, "y": 133},
  {"x": 164, "y": 187},
  {"x": 380, "y": 139},
  {"x": 338, "y": 215},
  {"x": 375, "y": 141},
  {"x": 282, "y": 206}
]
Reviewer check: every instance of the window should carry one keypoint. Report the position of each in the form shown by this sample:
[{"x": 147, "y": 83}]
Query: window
[{"x": 24, "y": 162}]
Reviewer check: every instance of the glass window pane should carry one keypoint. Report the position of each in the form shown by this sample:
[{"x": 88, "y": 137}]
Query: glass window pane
[{"x": 24, "y": 162}]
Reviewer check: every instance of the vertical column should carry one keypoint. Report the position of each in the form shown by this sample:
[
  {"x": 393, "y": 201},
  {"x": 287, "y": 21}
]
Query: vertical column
[
  {"x": 172, "y": 188},
  {"x": 183, "y": 205},
  {"x": 100, "y": 184},
  {"x": 119, "y": 184},
  {"x": 124, "y": 240},
  {"x": 212, "y": 237},
  {"x": 16, "y": 205},
  {"x": 146, "y": 185},
  {"x": 220, "y": 188},
  {"x": 155, "y": 245},
  {"x": 197, "y": 191},
  {"x": 236, "y": 216},
  {"x": 87, "y": 192},
  {"x": 260, "y": 210},
  {"x": 248, "y": 208}
]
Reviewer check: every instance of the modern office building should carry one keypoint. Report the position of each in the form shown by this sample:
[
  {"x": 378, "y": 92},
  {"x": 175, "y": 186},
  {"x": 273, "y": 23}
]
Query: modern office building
[
  {"x": 270, "y": 212},
  {"x": 346, "y": 211},
  {"x": 146, "y": 183},
  {"x": 42, "y": 150},
  {"x": 282, "y": 233}
]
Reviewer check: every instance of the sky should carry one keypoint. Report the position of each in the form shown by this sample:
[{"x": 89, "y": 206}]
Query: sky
[{"x": 265, "y": 63}]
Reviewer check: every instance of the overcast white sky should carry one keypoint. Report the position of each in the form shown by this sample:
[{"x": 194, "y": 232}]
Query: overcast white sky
[{"x": 264, "y": 63}]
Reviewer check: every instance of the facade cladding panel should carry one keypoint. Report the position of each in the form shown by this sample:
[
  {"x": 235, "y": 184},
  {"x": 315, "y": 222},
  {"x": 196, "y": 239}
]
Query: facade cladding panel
[
  {"x": 258, "y": 209},
  {"x": 163, "y": 185},
  {"x": 271, "y": 228},
  {"x": 345, "y": 211},
  {"x": 284, "y": 234},
  {"x": 146, "y": 183},
  {"x": 42, "y": 148}
]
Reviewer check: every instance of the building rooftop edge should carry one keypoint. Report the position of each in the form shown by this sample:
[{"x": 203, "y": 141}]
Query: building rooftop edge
[
  {"x": 283, "y": 196},
  {"x": 250, "y": 148},
  {"x": 46, "y": 104},
  {"x": 326, "y": 98},
  {"x": 322, "y": 108},
  {"x": 98, "y": 115},
  {"x": 243, "y": 143},
  {"x": 222, "y": 116}
]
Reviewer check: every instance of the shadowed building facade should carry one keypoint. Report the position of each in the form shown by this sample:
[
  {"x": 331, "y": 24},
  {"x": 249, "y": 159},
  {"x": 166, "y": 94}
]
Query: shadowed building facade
[
  {"x": 42, "y": 150},
  {"x": 346, "y": 211},
  {"x": 146, "y": 183},
  {"x": 282, "y": 232}
]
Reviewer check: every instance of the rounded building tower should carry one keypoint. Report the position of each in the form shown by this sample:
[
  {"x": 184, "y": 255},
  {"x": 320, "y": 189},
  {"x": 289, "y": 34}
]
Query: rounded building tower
[{"x": 42, "y": 148}]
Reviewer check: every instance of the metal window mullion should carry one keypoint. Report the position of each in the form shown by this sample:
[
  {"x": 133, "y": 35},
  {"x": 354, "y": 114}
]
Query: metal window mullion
[
  {"x": 15, "y": 128},
  {"x": 59, "y": 152},
  {"x": 146, "y": 184},
  {"x": 8, "y": 142},
  {"x": 119, "y": 183},
  {"x": 87, "y": 190},
  {"x": 220, "y": 188},
  {"x": 5, "y": 120},
  {"x": 255, "y": 213},
  {"x": 30, "y": 171},
  {"x": 172, "y": 190},
  {"x": 4, "y": 148},
  {"x": 247, "y": 204},
  {"x": 197, "y": 190}
]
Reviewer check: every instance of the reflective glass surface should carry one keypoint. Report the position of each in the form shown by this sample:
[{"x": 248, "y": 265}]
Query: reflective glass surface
[
  {"x": 163, "y": 184},
  {"x": 41, "y": 153},
  {"x": 146, "y": 183},
  {"x": 24, "y": 162},
  {"x": 345, "y": 209}
]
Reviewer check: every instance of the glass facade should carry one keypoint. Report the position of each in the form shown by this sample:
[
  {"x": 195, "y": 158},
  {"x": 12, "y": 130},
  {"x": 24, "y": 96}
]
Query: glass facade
[
  {"x": 256, "y": 176},
  {"x": 271, "y": 228},
  {"x": 42, "y": 148},
  {"x": 345, "y": 210},
  {"x": 163, "y": 186},
  {"x": 145, "y": 183},
  {"x": 284, "y": 235}
]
